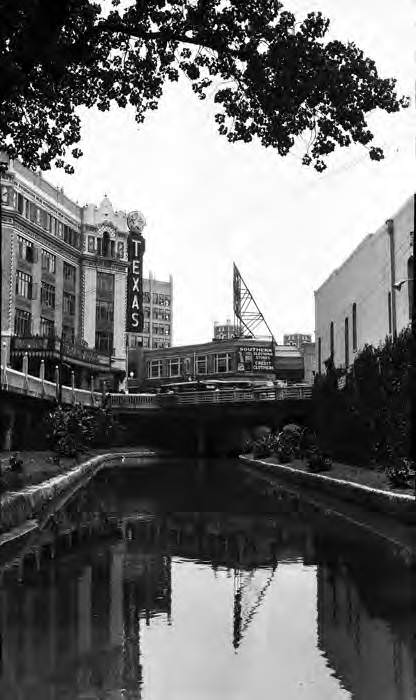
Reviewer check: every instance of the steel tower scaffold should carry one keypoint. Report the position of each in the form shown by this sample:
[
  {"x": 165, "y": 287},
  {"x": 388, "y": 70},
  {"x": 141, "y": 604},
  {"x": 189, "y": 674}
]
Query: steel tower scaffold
[{"x": 247, "y": 315}]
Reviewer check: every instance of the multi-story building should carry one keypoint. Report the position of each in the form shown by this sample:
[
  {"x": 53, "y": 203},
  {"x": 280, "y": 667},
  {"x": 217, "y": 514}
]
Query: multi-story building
[
  {"x": 226, "y": 331},
  {"x": 64, "y": 272},
  {"x": 297, "y": 339},
  {"x": 370, "y": 296}
]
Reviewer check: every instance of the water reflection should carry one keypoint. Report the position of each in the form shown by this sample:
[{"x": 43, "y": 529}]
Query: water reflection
[{"x": 270, "y": 598}]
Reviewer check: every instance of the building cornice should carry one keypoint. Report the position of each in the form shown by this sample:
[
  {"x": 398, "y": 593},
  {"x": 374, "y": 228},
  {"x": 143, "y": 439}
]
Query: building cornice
[{"x": 40, "y": 236}]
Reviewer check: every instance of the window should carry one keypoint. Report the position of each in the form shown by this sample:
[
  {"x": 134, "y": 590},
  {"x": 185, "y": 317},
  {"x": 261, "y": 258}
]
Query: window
[
  {"x": 146, "y": 312},
  {"x": 48, "y": 261},
  {"x": 68, "y": 303},
  {"x": 20, "y": 203},
  {"x": 154, "y": 368},
  {"x": 146, "y": 297},
  {"x": 160, "y": 315},
  {"x": 120, "y": 250},
  {"x": 105, "y": 282},
  {"x": 223, "y": 362},
  {"x": 174, "y": 367},
  {"x": 91, "y": 244},
  {"x": 24, "y": 287},
  {"x": 135, "y": 341},
  {"x": 354, "y": 326},
  {"x": 331, "y": 340},
  {"x": 202, "y": 364},
  {"x": 70, "y": 236},
  {"x": 25, "y": 249},
  {"x": 161, "y": 299},
  {"x": 104, "y": 310},
  {"x": 410, "y": 275},
  {"x": 104, "y": 342},
  {"x": 47, "y": 327},
  {"x": 69, "y": 273},
  {"x": 319, "y": 355},
  {"x": 389, "y": 310},
  {"x": 347, "y": 344},
  {"x": 146, "y": 327},
  {"x": 47, "y": 295},
  {"x": 68, "y": 334},
  {"x": 22, "y": 323}
]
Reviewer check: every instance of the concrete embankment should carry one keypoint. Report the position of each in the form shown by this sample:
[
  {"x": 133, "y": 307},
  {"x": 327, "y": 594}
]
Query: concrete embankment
[
  {"x": 21, "y": 512},
  {"x": 401, "y": 506}
]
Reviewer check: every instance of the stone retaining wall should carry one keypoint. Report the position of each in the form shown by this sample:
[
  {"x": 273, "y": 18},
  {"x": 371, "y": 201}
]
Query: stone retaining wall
[
  {"x": 398, "y": 505},
  {"x": 34, "y": 501}
]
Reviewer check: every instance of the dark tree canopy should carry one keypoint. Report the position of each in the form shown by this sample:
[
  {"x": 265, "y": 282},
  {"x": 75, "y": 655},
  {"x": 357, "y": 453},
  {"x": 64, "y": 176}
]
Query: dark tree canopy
[{"x": 273, "y": 77}]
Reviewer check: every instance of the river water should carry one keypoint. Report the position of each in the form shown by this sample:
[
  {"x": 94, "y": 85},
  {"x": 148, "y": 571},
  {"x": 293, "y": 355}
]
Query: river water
[{"x": 217, "y": 589}]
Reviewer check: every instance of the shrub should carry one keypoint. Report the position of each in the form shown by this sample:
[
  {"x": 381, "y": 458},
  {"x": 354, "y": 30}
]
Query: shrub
[
  {"x": 262, "y": 447},
  {"x": 400, "y": 473},
  {"x": 72, "y": 429},
  {"x": 318, "y": 461}
]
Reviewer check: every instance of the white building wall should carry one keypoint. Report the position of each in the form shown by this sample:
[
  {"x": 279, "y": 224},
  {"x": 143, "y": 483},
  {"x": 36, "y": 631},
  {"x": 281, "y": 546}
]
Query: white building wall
[{"x": 365, "y": 279}]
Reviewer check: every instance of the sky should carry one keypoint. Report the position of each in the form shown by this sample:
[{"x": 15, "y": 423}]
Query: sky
[{"x": 209, "y": 203}]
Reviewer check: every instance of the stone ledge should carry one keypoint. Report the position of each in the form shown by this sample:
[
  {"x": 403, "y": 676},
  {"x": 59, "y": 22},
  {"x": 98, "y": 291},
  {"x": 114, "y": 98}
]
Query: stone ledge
[
  {"x": 398, "y": 505},
  {"x": 21, "y": 506}
]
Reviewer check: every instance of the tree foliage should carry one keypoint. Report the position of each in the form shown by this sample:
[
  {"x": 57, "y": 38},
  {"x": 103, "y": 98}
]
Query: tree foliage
[
  {"x": 272, "y": 77},
  {"x": 370, "y": 419}
]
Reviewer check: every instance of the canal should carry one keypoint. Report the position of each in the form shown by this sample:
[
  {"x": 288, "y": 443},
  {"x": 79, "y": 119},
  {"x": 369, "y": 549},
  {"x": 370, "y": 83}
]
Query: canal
[{"x": 216, "y": 587}]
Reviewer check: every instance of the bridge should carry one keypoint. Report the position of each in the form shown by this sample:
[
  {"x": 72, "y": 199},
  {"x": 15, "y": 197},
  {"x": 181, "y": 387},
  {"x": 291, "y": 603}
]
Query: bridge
[{"x": 25, "y": 398}]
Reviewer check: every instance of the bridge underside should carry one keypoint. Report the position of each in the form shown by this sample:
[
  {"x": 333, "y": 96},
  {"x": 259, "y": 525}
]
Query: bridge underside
[
  {"x": 211, "y": 430},
  {"x": 189, "y": 430}
]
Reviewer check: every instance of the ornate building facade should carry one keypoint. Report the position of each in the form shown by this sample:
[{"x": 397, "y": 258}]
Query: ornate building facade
[{"x": 64, "y": 272}]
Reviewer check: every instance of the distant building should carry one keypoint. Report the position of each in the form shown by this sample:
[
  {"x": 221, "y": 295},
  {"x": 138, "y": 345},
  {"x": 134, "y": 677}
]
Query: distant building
[
  {"x": 297, "y": 339},
  {"x": 225, "y": 331},
  {"x": 232, "y": 359},
  {"x": 239, "y": 358},
  {"x": 289, "y": 363},
  {"x": 309, "y": 368},
  {"x": 360, "y": 302}
]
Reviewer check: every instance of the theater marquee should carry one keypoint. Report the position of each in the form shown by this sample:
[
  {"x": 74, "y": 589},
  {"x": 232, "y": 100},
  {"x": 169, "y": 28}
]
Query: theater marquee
[{"x": 135, "y": 250}]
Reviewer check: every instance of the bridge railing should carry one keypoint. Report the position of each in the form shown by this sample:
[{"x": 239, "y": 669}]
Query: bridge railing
[
  {"x": 14, "y": 381},
  {"x": 19, "y": 382},
  {"x": 236, "y": 396},
  {"x": 133, "y": 400}
]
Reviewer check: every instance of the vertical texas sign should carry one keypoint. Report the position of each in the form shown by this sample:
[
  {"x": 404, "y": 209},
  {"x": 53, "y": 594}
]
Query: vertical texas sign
[{"x": 135, "y": 250}]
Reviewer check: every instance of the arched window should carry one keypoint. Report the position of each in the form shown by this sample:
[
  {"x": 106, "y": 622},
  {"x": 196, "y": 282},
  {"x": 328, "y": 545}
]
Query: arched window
[
  {"x": 354, "y": 326},
  {"x": 331, "y": 340},
  {"x": 410, "y": 273},
  {"x": 106, "y": 244},
  {"x": 347, "y": 344}
]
